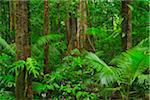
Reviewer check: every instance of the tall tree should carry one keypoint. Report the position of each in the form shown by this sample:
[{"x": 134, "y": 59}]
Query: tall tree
[
  {"x": 83, "y": 40},
  {"x": 71, "y": 25},
  {"x": 79, "y": 26},
  {"x": 71, "y": 28},
  {"x": 126, "y": 25},
  {"x": 46, "y": 32},
  {"x": 22, "y": 46}
]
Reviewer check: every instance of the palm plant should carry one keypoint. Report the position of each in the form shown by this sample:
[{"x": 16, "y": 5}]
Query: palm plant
[{"x": 129, "y": 69}]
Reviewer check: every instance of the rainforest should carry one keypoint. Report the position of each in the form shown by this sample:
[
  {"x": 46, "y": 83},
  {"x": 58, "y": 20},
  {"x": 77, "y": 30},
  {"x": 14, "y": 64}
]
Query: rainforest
[{"x": 74, "y": 50}]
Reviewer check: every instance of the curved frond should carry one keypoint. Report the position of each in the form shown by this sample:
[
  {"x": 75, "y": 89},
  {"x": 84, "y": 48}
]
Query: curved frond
[
  {"x": 132, "y": 63},
  {"x": 105, "y": 74}
]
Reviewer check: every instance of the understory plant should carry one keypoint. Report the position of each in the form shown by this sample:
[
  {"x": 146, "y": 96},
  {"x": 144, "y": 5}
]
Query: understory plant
[{"x": 129, "y": 71}]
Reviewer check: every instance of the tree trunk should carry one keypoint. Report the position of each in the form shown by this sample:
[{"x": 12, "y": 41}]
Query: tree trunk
[
  {"x": 22, "y": 46},
  {"x": 59, "y": 20},
  {"x": 68, "y": 36},
  {"x": 12, "y": 5},
  {"x": 126, "y": 25},
  {"x": 83, "y": 40},
  {"x": 46, "y": 32},
  {"x": 79, "y": 27}
]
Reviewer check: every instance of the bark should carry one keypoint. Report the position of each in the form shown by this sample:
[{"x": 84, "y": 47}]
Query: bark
[
  {"x": 71, "y": 27},
  {"x": 22, "y": 46},
  {"x": 12, "y": 6},
  {"x": 85, "y": 25},
  {"x": 68, "y": 29},
  {"x": 12, "y": 15},
  {"x": 29, "y": 88},
  {"x": 83, "y": 40},
  {"x": 46, "y": 32},
  {"x": 126, "y": 25},
  {"x": 77, "y": 36},
  {"x": 79, "y": 27}
]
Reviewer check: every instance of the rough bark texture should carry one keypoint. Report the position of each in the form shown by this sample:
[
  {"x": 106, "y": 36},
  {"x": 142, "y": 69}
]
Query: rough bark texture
[
  {"x": 22, "y": 46},
  {"x": 29, "y": 88},
  {"x": 126, "y": 25},
  {"x": 46, "y": 32},
  {"x": 71, "y": 26}
]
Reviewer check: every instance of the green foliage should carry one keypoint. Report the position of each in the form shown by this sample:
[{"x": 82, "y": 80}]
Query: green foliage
[
  {"x": 9, "y": 47},
  {"x": 6, "y": 95},
  {"x": 131, "y": 66},
  {"x": 32, "y": 67},
  {"x": 106, "y": 74}
]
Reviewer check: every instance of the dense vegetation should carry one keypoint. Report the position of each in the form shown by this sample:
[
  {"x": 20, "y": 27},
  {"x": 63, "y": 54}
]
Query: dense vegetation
[{"x": 74, "y": 50}]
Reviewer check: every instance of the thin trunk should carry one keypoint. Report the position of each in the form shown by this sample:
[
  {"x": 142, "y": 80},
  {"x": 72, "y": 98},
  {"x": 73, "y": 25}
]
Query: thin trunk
[
  {"x": 12, "y": 6},
  {"x": 12, "y": 14},
  {"x": 73, "y": 29},
  {"x": 46, "y": 32},
  {"x": 126, "y": 25},
  {"x": 29, "y": 78},
  {"x": 59, "y": 21},
  {"x": 22, "y": 46},
  {"x": 68, "y": 29}
]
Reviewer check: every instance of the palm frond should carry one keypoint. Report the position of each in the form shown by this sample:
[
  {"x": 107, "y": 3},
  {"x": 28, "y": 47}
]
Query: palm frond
[
  {"x": 105, "y": 74},
  {"x": 132, "y": 63}
]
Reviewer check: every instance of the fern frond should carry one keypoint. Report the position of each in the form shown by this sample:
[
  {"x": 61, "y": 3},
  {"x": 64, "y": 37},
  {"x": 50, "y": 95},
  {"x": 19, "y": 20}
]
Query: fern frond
[
  {"x": 19, "y": 65},
  {"x": 32, "y": 67}
]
